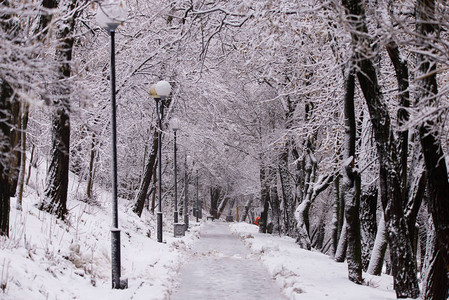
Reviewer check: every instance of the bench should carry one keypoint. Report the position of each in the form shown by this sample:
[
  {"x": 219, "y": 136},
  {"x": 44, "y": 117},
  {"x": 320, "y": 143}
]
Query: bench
[{"x": 210, "y": 218}]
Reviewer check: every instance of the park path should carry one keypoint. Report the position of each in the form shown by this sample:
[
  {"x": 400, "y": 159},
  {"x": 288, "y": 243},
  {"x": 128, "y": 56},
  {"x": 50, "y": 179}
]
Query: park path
[{"x": 221, "y": 267}]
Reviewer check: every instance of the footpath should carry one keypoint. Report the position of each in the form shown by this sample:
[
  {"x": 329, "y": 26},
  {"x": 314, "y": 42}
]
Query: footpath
[{"x": 221, "y": 267}]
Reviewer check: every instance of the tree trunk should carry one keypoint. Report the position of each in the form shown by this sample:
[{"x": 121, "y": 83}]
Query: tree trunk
[
  {"x": 139, "y": 202},
  {"x": 368, "y": 224},
  {"x": 15, "y": 136},
  {"x": 222, "y": 206},
  {"x": 214, "y": 197},
  {"x": 23, "y": 139},
  {"x": 6, "y": 93},
  {"x": 351, "y": 184},
  {"x": 55, "y": 200},
  {"x": 287, "y": 193},
  {"x": 340, "y": 253},
  {"x": 380, "y": 247},
  {"x": 437, "y": 280},
  {"x": 90, "y": 179},
  {"x": 247, "y": 207},
  {"x": 337, "y": 217},
  {"x": 403, "y": 266},
  {"x": 275, "y": 202},
  {"x": 264, "y": 199}
]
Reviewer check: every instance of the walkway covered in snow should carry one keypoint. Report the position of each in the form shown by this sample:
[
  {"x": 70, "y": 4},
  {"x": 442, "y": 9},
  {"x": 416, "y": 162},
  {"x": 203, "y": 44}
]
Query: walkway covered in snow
[{"x": 220, "y": 267}]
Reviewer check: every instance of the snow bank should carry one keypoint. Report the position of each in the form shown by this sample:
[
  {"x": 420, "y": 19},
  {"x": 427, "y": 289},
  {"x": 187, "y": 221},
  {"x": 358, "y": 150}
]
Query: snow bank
[
  {"x": 45, "y": 258},
  {"x": 310, "y": 275}
]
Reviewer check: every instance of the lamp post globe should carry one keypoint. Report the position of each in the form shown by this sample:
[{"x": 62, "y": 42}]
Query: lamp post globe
[
  {"x": 163, "y": 88},
  {"x": 175, "y": 124},
  {"x": 110, "y": 15}
]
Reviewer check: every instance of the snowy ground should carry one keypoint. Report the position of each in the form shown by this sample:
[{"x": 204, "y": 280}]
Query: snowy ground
[
  {"x": 310, "y": 275},
  {"x": 220, "y": 267},
  {"x": 45, "y": 258}
]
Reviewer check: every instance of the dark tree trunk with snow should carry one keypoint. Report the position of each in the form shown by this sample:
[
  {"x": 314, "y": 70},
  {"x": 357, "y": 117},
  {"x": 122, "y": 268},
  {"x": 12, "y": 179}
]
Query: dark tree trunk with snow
[
  {"x": 91, "y": 175},
  {"x": 264, "y": 200},
  {"x": 403, "y": 266},
  {"x": 15, "y": 136},
  {"x": 380, "y": 247},
  {"x": 368, "y": 224},
  {"x": 139, "y": 202},
  {"x": 351, "y": 184},
  {"x": 6, "y": 93},
  {"x": 222, "y": 206},
  {"x": 337, "y": 217},
  {"x": 436, "y": 285},
  {"x": 55, "y": 200},
  {"x": 287, "y": 193},
  {"x": 274, "y": 201},
  {"x": 342, "y": 245},
  {"x": 23, "y": 140},
  {"x": 214, "y": 197}
]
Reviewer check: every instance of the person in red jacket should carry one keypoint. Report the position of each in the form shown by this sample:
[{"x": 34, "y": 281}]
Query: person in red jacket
[{"x": 257, "y": 221}]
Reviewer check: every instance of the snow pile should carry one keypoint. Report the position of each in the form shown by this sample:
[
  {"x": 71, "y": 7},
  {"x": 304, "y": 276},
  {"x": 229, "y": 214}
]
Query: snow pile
[
  {"x": 45, "y": 258},
  {"x": 306, "y": 274}
]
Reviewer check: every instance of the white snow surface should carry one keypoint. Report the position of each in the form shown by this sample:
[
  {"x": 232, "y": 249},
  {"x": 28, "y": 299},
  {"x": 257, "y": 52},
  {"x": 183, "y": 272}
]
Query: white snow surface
[
  {"x": 310, "y": 275},
  {"x": 45, "y": 258}
]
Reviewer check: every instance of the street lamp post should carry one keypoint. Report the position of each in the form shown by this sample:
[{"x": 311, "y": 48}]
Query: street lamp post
[
  {"x": 186, "y": 191},
  {"x": 160, "y": 92},
  {"x": 197, "y": 198},
  {"x": 109, "y": 16},
  {"x": 175, "y": 127}
]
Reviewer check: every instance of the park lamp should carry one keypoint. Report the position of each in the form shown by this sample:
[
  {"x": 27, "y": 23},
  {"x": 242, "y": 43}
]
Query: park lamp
[
  {"x": 111, "y": 14},
  {"x": 175, "y": 124},
  {"x": 159, "y": 92}
]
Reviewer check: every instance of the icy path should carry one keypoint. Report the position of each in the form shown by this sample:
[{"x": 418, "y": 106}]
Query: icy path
[{"x": 220, "y": 267}]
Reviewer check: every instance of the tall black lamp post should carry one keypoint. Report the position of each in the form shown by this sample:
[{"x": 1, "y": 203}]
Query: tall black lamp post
[
  {"x": 109, "y": 16},
  {"x": 174, "y": 123},
  {"x": 159, "y": 92},
  {"x": 186, "y": 191},
  {"x": 197, "y": 198}
]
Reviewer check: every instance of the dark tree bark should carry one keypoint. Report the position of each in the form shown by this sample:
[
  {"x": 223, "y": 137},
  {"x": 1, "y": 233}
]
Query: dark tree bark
[
  {"x": 275, "y": 202},
  {"x": 214, "y": 197},
  {"x": 403, "y": 266},
  {"x": 401, "y": 70},
  {"x": 23, "y": 148},
  {"x": 91, "y": 175},
  {"x": 351, "y": 184},
  {"x": 55, "y": 200},
  {"x": 6, "y": 93},
  {"x": 139, "y": 202},
  {"x": 368, "y": 224},
  {"x": 337, "y": 217},
  {"x": 437, "y": 281},
  {"x": 287, "y": 193},
  {"x": 264, "y": 199},
  {"x": 412, "y": 185},
  {"x": 15, "y": 136}
]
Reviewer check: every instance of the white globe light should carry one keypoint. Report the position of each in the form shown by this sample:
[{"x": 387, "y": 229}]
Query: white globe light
[
  {"x": 175, "y": 123},
  {"x": 110, "y": 14},
  {"x": 163, "y": 88}
]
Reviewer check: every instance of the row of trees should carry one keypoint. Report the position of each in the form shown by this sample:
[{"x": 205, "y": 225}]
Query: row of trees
[{"x": 280, "y": 101}]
